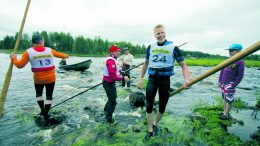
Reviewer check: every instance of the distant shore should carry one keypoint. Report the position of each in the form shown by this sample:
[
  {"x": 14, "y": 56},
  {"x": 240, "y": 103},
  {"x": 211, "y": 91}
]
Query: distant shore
[{"x": 189, "y": 61}]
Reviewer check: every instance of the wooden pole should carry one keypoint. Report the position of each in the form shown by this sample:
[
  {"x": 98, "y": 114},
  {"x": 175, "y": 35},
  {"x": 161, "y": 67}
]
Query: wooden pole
[
  {"x": 9, "y": 71},
  {"x": 222, "y": 65}
]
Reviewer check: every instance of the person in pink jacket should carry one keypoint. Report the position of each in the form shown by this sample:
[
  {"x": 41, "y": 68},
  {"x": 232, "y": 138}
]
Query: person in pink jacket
[{"x": 111, "y": 74}]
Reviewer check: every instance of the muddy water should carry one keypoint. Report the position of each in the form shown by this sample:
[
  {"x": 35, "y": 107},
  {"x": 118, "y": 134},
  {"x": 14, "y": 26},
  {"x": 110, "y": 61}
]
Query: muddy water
[{"x": 18, "y": 126}]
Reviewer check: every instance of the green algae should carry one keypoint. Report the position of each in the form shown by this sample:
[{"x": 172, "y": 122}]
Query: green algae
[
  {"x": 202, "y": 127},
  {"x": 258, "y": 100},
  {"x": 24, "y": 117}
]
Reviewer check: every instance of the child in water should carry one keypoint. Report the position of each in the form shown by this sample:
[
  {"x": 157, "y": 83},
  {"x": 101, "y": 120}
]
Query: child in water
[{"x": 229, "y": 78}]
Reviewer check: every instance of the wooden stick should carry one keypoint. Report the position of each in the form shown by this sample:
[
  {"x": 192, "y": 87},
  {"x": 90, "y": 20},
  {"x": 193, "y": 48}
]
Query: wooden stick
[
  {"x": 222, "y": 65},
  {"x": 9, "y": 71}
]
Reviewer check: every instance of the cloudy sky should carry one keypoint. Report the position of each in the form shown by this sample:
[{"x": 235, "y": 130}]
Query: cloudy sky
[{"x": 207, "y": 25}]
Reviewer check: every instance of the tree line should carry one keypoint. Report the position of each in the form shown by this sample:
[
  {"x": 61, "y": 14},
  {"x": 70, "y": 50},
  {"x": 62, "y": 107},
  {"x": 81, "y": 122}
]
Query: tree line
[{"x": 65, "y": 42}]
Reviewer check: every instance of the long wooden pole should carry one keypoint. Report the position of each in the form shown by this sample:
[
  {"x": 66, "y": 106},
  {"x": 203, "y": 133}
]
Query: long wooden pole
[
  {"x": 91, "y": 88},
  {"x": 222, "y": 65},
  {"x": 9, "y": 71}
]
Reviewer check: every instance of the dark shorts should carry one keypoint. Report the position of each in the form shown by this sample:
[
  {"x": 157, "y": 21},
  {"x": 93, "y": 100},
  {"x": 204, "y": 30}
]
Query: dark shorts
[
  {"x": 49, "y": 90},
  {"x": 157, "y": 83}
]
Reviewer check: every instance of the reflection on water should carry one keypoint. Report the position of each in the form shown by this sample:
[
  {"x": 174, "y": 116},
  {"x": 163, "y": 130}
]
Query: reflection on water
[{"x": 18, "y": 127}]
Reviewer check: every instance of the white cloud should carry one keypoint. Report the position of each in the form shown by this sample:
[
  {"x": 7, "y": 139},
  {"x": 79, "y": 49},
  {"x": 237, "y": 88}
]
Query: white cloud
[{"x": 207, "y": 26}]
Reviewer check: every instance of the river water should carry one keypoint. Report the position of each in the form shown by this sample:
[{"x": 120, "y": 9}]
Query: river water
[{"x": 18, "y": 127}]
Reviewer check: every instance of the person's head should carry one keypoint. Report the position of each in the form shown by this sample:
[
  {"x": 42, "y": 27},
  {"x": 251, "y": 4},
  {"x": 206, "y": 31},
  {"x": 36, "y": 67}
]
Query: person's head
[
  {"x": 114, "y": 50},
  {"x": 234, "y": 49},
  {"x": 37, "y": 39},
  {"x": 126, "y": 51},
  {"x": 159, "y": 33}
]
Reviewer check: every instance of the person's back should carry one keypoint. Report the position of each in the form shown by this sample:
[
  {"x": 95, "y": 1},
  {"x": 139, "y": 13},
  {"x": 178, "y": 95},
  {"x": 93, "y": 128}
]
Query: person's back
[{"x": 42, "y": 66}]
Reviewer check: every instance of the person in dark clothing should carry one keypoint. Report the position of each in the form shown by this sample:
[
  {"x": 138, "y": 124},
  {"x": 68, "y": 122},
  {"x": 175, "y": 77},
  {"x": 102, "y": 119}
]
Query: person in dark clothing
[
  {"x": 160, "y": 58},
  {"x": 111, "y": 74}
]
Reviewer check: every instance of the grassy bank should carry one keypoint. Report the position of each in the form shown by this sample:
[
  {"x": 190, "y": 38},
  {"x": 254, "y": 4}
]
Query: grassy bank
[
  {"x": 214, "y": 62},
  {"x": 189, "y": 61}
]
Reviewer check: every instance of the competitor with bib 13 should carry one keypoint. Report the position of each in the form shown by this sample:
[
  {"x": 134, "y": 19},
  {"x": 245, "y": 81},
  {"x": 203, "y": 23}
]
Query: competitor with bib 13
[
  {"x": 160, "y": 58},
  {"x": 42, "y": 64}
]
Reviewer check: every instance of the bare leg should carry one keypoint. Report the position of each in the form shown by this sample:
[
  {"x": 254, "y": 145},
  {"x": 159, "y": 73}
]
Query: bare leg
[
  {"x": 228, "y": 108},
  {"x": 158, "y": 118},
  {"x": 225, "y": 104},
  {"x": 149, "y": 122}
]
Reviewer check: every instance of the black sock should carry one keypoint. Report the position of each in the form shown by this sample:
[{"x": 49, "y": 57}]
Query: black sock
[
  {"x": 47, "y": 108},
  {"x": 41, "y": 105}
]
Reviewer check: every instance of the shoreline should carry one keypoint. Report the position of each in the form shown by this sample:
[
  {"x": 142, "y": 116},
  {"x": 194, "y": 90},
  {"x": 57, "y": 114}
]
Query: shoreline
[{"x": 206, "y": 62}]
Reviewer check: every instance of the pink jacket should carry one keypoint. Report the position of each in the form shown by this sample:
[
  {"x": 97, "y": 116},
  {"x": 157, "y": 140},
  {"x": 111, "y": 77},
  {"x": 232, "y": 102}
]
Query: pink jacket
[{"x": 112, "y": 70}]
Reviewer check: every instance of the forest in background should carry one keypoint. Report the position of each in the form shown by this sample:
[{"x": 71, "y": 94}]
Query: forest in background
[{"x": 65, "y": 42}]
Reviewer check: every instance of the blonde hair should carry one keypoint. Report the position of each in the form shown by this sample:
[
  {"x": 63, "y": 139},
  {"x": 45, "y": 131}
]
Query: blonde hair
[{"x": 158, "y": 26}]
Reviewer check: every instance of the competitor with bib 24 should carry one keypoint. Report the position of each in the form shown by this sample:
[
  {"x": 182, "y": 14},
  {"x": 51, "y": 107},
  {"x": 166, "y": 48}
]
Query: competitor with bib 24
[{"x": 160, "y": 58}]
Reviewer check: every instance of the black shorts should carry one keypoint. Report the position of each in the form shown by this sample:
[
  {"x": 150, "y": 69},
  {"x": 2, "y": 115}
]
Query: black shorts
[
  {"x": 161, "y": 83},
  {"x": 49, "y": 90}
]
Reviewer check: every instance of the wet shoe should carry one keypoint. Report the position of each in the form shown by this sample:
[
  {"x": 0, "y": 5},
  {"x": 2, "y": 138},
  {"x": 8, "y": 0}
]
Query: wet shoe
[
  {"x": 155, "y": 130},
  {"x": 47, "y": 122},
  {"x": 110, "y": 120},
  {"x": 46, "y": 117},
  {"x": 42, "y": 114},
  {"x": 220, "y": 114},
  {"x": 148, "y": 136},
  {"x": 223, "y": 117}
]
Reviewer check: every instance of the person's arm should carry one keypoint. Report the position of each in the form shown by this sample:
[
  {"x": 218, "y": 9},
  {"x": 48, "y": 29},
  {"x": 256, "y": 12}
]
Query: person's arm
[
  {"x": 112, "y": 70},
  {"x": 220, "y": 76},
  {"x": 143, "y": 71},
  {"x": 22, "y": 62},
  {"x": 240, "y": 73},
  {"x": 146, "y": 62},
  {"x": 59, "y": 55},
  {"x": 144, "y": 67},
  {"x": 185, "y": 71}
]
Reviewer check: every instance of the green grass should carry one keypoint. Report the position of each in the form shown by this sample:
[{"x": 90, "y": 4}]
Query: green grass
[
  {"x": 203, "y": 127},
  {"x": 258, "y": 99},
  {"x": 209, "y": 128},
  {"x": 189, "y": 61},
  {"x": 214, "y": 62}
]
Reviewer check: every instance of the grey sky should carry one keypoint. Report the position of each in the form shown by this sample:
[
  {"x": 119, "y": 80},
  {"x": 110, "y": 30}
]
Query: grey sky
[{"x": 207, "y": 25}]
